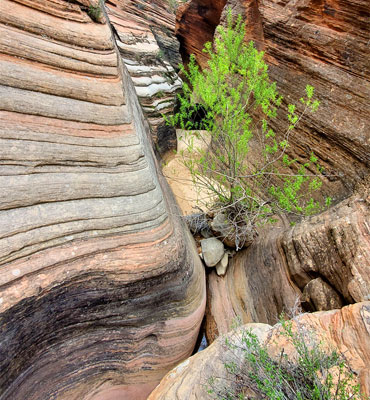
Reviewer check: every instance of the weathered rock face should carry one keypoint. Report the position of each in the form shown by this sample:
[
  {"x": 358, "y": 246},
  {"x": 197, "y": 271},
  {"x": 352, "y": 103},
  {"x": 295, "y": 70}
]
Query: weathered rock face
[
  {"x": 196, "y": 22},
  {"x": 323, "y": 43},
  {"x": 323, "y": 262},
  {"x": 144, "y": 32},
  {"x": 101, "y": 290},
  {"x": 347, "y": 330},
  {"x": 191, "y": 379}
]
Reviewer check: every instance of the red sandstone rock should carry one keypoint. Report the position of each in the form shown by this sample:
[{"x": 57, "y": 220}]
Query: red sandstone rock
[
  {"x": 101, "y": 289},
  {"x": 195, "y": 25},
  {"x": 323, "y": 44}
]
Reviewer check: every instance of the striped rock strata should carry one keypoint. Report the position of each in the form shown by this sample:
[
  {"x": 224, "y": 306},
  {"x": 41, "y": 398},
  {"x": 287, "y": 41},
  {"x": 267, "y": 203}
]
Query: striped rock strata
[
  {"x": 323, "y": 262},
  {"x": 319, "y": 42},
  {"x": 144, "y": 33},
  {"x": 346, "y": 330},
  {"x": 101, "y": 291}
]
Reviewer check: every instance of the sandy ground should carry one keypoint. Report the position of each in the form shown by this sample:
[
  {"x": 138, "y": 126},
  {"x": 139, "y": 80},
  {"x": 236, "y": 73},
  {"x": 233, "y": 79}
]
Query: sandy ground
[{"x": 189, "y": 198}]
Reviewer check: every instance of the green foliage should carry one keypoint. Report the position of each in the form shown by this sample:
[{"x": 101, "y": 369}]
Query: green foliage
[
  {"x": 311, "y": 372},
  {"x": 160, "y": 55},
  {"x": 94, "y": 12},
  {"x": 240, "y": 103}
]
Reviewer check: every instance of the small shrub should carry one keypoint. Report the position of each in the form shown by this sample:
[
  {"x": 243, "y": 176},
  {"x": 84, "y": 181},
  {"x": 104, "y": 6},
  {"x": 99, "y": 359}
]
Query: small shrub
[
  {"x": 94, "y": 12},
  {"x": 314, "y": 373}
]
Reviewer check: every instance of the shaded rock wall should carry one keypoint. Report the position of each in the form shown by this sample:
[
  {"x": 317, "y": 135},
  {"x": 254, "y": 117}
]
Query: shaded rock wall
[
  {"x": 323, "y": 43},
  {"x": 323, "y": 262},
  {"x": 196, "y": 22},
  {"x": 144, "y": 32},
  {"x": 100, "y": 286}
]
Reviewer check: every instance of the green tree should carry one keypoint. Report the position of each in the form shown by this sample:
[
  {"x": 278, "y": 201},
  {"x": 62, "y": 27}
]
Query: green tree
[{"x": 238, "y": 102}]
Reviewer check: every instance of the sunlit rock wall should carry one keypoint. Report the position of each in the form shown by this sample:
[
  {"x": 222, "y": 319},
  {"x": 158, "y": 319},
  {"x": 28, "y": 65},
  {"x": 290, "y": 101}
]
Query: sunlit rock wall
[
  {"x": 345, "y": 330},
  {"x": 100, "y": 288}
]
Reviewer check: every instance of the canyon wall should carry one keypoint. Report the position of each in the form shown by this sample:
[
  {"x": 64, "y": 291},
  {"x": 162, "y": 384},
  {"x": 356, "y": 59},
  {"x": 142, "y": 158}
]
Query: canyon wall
[
  {"x": 144, "y": 33},
  {"x": 318, "y": 42},
  {"x": 101, "y": 291},
  {"x": 322, "y": 261},
  {"x": 320, "y": 264}
]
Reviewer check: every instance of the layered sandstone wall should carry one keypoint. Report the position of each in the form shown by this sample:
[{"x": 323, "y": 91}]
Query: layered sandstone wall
[
  {"x": 317, "y": 42},
  {"x": 322, "y": 261},
  {"x": 101, "y": 290},
  {"x": 144, "y": 33}
]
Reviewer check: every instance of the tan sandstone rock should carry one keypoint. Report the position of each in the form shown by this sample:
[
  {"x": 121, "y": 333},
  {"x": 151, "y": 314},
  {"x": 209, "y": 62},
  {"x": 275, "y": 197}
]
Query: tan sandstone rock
[
  {"x": 321, "y": 296},
  {"x": 221, "y": 266},
  {"x": 101, "y": 288},
  {"x": 347, "y": 330}
]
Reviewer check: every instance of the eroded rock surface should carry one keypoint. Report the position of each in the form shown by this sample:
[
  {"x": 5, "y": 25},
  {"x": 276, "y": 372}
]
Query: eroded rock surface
[
  {"x": 144, "y": 31},
  {"x": 101, "y": 289},
  {"x": 346, "y": 330},
  {"x": 322, "y": 43},
  {"x": 284, "y": 265}
]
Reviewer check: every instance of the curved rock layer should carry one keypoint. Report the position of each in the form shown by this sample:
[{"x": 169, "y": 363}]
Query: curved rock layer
[
  {"x": 144, "y": 32},
  {"x": 101, "y": 290},
  {"x": 196, "y": 22},
  {"x": 317, "y": 42},
  {"x": 346, "y": 330},
  {"x": 322, "y": 262}
]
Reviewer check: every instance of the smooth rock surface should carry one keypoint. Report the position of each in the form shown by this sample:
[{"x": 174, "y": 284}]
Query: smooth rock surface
[
  {"x": 213, "y": 251},
  {"x": 190, "y": 198},
  {"x": 221, "y": 266},
  {"x": 101, "y": 288},
  {"x": 346, "y": 330}
]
